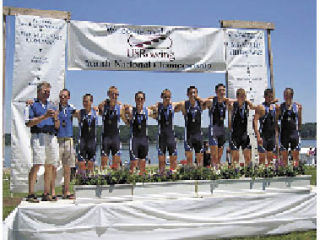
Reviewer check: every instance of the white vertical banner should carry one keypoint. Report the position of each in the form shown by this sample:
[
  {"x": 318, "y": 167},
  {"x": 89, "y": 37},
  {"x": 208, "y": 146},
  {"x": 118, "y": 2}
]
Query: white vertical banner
[
  {"x": 246, "y": 67},
  {"x": 39, "y": 56}
]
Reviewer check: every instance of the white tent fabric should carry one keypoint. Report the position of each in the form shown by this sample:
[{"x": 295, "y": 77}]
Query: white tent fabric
[{"x": 225, "y": 213}]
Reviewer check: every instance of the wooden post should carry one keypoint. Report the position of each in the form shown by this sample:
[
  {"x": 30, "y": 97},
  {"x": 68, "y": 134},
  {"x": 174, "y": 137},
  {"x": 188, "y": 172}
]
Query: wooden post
[
  {"x": 3, "y": 82},
  {"x": 270, "y": 57}
]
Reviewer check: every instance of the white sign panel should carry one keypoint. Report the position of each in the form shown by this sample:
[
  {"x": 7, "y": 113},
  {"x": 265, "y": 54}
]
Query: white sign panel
[
  {"x": 39, "y": 56},
  {"x": 246, "y": 66},
  {"x": 106, "y": 46},
  {"x": 245, "y": 51}
]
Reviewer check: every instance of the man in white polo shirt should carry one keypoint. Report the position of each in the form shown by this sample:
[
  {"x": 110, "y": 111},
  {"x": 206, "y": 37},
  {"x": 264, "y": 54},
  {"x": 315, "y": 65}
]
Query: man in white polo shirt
[{"x": 43, "y": 121}]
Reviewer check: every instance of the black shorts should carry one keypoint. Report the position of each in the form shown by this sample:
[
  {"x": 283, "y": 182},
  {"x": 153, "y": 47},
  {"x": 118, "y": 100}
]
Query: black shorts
[
  {"x": 269, "y": 144},
  {"x": 167, "y": 142},
  {"x": 290, "y": 139},
  {"x": 242, "y": 141},
  {"x": 194, "y": 141},
  {"x": 87, "y": 149},
  {"x": 217, "y": 136},
  {"x": 110, "y": 144},
  {"x": 138, "y": 148}
]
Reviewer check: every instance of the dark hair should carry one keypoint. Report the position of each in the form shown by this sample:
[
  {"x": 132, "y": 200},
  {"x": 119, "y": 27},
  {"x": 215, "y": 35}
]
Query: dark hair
[
  {"x": 164, "y": 92},
  {"x": 191, "y": 87},
  {"x": 267, "y": 92},
  {"x": 140, "y": 92},
  {"x": 289, "y": 89},
  {"x": 66, "y": 90},
  {"x": 88, "y": 95},
  {"x": 219, "y": 85}
]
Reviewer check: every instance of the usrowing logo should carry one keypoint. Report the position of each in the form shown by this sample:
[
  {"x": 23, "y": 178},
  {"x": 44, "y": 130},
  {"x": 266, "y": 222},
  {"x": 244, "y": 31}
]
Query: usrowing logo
[{"x": 150, "y": 42}]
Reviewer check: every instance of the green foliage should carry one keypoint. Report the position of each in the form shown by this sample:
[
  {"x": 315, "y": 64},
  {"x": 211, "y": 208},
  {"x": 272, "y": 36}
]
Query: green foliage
[
  {"x": 123, "y": 176},
  {"x": 309, "y": 130}
]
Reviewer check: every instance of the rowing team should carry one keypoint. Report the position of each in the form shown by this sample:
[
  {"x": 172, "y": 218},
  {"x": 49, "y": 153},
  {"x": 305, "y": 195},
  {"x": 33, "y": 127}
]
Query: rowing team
[{"x": 46, "y": 121}]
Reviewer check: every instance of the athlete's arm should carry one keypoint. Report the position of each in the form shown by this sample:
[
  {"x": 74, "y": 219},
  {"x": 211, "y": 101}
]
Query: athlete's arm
[
  {"x": 229, "y": 100},
  {"x": 179, "y": 106},
  {"x": 207, "y": 103},
  {"x": 230, "y": 108},
  {"x": 34, "y": 121},
  {"x": 100, "y": 107},
  {"x": 76, "y": 114},
  {"x": 202, "y": 102},
  {"x": 29, "y": 102},
  {"x": 153, "y": 111},
  {"x": 299, "y": 116},
  {"x": 256, "y": 118},
  {"x": 277, "y": 124},
  {"x": 127, "y": 113},
  {"x": 251, "y": 105},
  {"x": 56, "y": 120}
]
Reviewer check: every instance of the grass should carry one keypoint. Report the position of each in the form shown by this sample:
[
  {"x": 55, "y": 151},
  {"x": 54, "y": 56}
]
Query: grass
[
  {"x": 313, "y": 172},
  {"x": 12, "y": 200},
  {"x": 307, "y": 235}
]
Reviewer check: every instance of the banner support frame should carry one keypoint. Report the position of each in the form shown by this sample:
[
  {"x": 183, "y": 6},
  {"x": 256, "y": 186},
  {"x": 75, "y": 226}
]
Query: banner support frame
[{"x": 255, "y": 25}]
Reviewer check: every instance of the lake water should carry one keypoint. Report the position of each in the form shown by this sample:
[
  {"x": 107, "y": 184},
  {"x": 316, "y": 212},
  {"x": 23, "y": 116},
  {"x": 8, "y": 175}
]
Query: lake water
[{"x": 153, "y": 154}]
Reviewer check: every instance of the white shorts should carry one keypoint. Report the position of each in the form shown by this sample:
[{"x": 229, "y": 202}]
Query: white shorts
[{"x": 45, "y": 149}]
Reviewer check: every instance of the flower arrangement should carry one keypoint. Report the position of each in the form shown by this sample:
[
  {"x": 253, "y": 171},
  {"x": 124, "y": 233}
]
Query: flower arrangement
[{"x": 123, "y": 176}]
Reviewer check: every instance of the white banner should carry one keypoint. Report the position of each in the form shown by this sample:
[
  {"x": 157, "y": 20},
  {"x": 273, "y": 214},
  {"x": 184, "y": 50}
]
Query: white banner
[
  {"x": 106, "y": 46},
  {"x": 246, "y": 66},
  {"x": 39, "y": 56}
]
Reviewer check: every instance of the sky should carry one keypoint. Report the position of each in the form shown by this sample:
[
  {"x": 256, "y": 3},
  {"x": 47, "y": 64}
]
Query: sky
[{"x": 293, "y": 47}]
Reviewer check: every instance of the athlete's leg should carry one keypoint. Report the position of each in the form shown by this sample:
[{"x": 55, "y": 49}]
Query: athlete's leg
[
  {"x": 269, "y": 157},
  {"x": 295, "y": 155},
  {"x": 235, "y": 157},
  {"x": 247, "y": 156},
  {"x": 162, "y": 163},
  {"x": 66, "y": 175},
  {"x": 162, "y": 154},
  {"x": 214, "y": 152},
  {"x": 142, "y": 166},
  {"x": 173, "y": 162},
  {"x": 199, "y": 157},
  {"x": 91, "y": 166},
  {"x": 116, "y": 161},
  {"x": 220, "y": 152},
  {"x": 104, "y": 161},
  {"x": 53, "y": 180},
  {"x": 33, "y": 177},
  {"x": 47, "y": 178},
  {"x": 133, "y": 165},
  {"x": 189, "y": 158},
  {"x": 284, "y": 154}
]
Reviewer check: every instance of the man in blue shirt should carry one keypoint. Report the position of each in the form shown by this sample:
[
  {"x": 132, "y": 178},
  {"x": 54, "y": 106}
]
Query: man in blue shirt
[
  {"x": 65, "y": 134},
  {"x": 43, "y": 121}
]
